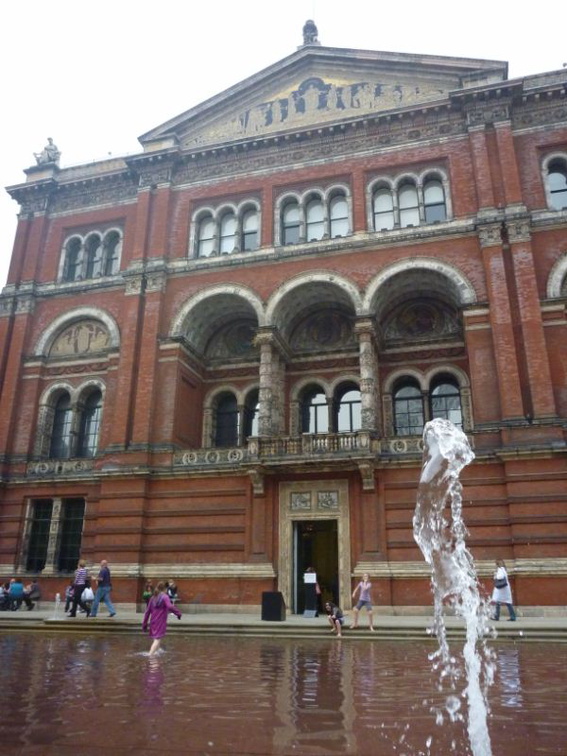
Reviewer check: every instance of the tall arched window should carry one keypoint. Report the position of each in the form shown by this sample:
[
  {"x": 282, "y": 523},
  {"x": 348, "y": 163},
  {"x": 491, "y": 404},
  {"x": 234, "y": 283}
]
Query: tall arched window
[
  {"x": 227, "y": 233},
  {"x": 206, "y": 237},
  {"x": 60, "y": 447},
  {"x": 314, "y": 412},
  {"x": 111, "y": 253},
  {"x": 94, "y": 256},
  {"x": 314, "y": 217},
  {"x": 290, "y": 223},
  {"x": 250, "y": 231},
  {"x": 349, "y": 418},
  {"x": 445, "y": 401},
  {"x": 408, "y": 410},
  {"x": 434, "y": 201},
  {"x": 72, "y": 271},
  {"x": 408, "y": 205},
  {"x": 90, "y": 425},
  {"x": 383, "y": 206},
  {"x": 338, "y": 216},
  {"x": 557, "y": 184},
  {"x": 226, "y": 417}
]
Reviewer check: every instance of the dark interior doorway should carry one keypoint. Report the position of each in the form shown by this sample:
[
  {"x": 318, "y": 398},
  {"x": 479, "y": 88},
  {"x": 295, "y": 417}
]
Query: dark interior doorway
[{"x": 315, "y": 545}]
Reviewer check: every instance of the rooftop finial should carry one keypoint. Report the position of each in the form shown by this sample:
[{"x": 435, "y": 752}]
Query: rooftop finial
[{"x": 310, "y": 33}]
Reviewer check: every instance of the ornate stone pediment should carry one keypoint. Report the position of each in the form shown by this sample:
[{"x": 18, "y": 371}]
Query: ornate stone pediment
[{"x": 318, "y": 86}]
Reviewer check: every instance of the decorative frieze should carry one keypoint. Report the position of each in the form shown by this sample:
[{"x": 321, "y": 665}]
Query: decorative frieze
[{"x": 49, "y": 467}]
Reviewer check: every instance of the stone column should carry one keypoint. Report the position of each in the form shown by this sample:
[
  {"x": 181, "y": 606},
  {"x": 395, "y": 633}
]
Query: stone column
[
  {"x": 270, "y": 392},
  {"x": 54, "y": 537},
  {"x": 368, "y": 359}
]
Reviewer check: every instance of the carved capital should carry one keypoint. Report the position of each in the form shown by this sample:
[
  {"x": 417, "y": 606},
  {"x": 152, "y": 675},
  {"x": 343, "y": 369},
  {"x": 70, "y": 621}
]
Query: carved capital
[
  {"x": 490, "y": 235},
  {"x": 134, "y": 284},
  {"x": 480, "y": 114},
  {"x": 518, "y": 230},
  {"x": 257, "y": 479}
]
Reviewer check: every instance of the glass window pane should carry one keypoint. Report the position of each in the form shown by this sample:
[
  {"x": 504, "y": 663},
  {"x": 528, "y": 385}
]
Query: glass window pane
[
  {"x": 111, "y": 253},
  {"x": 250, "y": 231},
  {"x": 434, "y": 201},
  {"x": 314, "y": 217},
  {"x": 349, "y": 415},
  {"x": 228, "y": 233},
  {"x": 94, "y": 256},
  {"x": 227, "y": 422},
  {"x": 39, "y": 535},
  {"x": 90, "y": 425},
  {"x": 73, "y": 260},
  {"x": 557, "y": 183},
  {"x": 338, "y": 217},
  {"x": 383, "y": 210},
  {"x": 61, "y": 434},
  {"x": 206, "y": 237},
  {"x": 72, "y": 519},
  {"x": 291, "y": 224}
]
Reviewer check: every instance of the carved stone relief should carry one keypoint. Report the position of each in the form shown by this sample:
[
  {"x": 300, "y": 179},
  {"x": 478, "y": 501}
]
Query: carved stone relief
[
  {"x": 315, "y": 100},
  {"x": 80, "y": 338}
]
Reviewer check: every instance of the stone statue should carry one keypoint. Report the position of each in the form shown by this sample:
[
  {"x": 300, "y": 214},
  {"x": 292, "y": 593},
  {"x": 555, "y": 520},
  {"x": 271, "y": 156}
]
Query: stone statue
[
  {"x": 49, "y": 154},
  {"x": 310, "y": 33}
]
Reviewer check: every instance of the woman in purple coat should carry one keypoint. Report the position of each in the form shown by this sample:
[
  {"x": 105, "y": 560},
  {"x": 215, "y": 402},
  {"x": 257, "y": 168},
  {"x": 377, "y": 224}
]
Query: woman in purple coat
[{"x": 157, "y": 610}]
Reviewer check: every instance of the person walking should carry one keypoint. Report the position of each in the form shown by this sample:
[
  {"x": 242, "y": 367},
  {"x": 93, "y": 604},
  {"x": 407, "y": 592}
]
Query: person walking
[
  {"x": 364, "y": 600},
  {"x": 103, "y": 590},
  {"x": 502, "y": 593},
  {"x": 155, "y": 617},
  {"x": 80, "y": 582}
]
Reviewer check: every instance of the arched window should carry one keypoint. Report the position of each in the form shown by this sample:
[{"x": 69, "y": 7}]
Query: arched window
[
  {"x": 408, "y": 410},
  {"x": 250, "y": 231},
  {"x": 227, "y": 233},
  {"x": 60, "y": 447},
  {"x": 290, "y": 223},
  {"x": 434, "y": 201},
  {"x": 94, "y": 256},
  {"x": 348, "y": 417},
  {"x": 226, "y": 425},
  {"x": 206, "y": 237},
  {"x": 408, "y": 205},
  {"x": 557, "y": 184},
  {"x": 111, "y": 253},
  {"x": 383, "y": 205},
  {"x": 315, "y": 224},
  {"x": 90, "y": 425},
  {"x": 338, "y": 216},
  {"x": 72, "y": 271},
  {"x": 314, "y": 412},
  {"x": 251, "y": 415},
  {"x": 445, "y": 401}
]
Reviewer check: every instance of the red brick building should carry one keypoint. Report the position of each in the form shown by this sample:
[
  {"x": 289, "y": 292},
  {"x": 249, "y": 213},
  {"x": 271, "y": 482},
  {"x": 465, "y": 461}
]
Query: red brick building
[{"x": 218, "y": 355}]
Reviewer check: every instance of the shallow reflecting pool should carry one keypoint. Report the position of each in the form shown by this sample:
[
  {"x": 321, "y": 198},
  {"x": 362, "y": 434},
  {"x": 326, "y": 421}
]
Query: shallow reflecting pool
[{"x": 67, "y": 694}]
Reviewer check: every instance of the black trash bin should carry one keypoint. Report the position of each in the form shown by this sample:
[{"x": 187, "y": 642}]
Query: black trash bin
[{"x": 273, "y": 606}]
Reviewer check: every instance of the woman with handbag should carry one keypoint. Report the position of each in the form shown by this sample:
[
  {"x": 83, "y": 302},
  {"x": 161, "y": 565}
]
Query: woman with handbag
[{"x": 502, "y": 593}]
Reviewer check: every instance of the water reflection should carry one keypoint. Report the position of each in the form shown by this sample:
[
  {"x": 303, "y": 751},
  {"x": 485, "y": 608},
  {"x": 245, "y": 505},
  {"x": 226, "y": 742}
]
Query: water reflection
[{"x": 73, "y": 695}]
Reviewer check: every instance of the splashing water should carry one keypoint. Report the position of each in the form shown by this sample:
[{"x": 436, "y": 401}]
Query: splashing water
[
  {"x": 453, "y": 578},
  {"x": 57, "y": 605}
]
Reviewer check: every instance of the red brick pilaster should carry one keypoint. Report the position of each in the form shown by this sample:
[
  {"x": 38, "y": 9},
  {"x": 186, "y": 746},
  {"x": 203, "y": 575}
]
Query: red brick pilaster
[
  {"x": 508, "y": 163},
  {"x": 481, "y": 167},
  {"x": 505, "y": 354},
  {"x": 531, "y": 324}
]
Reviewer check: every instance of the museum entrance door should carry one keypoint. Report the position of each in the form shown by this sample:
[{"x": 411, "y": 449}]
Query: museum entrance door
[
  {"x": 314, "y": 531},
  {"x": 315, "y": 545}
]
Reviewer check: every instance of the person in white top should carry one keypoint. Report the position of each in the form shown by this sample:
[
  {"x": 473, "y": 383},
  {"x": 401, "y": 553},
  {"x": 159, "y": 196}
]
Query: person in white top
[{"x": 502, "y": 593}]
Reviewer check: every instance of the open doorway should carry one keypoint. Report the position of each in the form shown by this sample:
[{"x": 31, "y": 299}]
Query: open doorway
[{"x": 315, "y": 544}]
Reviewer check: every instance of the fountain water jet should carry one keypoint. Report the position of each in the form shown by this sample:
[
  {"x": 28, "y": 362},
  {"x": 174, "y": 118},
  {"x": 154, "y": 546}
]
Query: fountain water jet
[{"x": 453, "y": 577}]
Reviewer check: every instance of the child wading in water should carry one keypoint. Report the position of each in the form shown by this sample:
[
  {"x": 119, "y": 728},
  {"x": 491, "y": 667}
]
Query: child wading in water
[
  {"x": 157, "y": 610},
  {"x": 364, "y": 600}
]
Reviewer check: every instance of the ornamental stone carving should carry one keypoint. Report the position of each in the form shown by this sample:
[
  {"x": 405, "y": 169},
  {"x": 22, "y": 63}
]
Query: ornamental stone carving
[
  {"x": 518, "y": 230},
  {"x": 490, "y": 235}
]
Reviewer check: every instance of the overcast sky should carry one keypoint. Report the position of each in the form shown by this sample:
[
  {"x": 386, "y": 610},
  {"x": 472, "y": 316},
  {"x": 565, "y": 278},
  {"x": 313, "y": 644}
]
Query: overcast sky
[{"x": 95, "y": 77}]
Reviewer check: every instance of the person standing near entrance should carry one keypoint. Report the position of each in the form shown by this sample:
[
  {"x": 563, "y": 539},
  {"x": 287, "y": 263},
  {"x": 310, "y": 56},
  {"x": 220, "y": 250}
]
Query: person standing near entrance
[
  {"x": 103, "y": 590},
  {"x": 363, "y": 600}
]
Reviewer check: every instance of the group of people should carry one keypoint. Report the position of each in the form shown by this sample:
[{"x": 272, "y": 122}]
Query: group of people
[
  {"x": 501, "y": 594},
  {"x": 80, "y": 595},
  {"x": 13, "y": 594}
]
